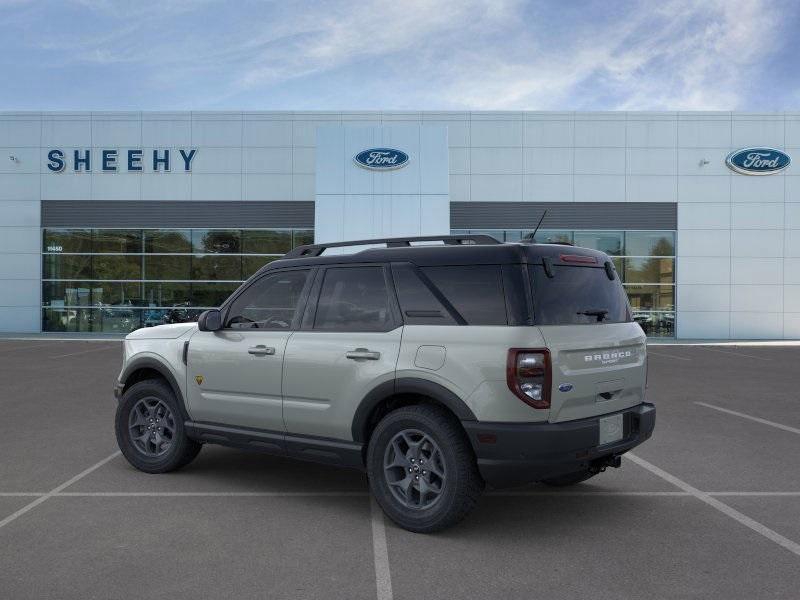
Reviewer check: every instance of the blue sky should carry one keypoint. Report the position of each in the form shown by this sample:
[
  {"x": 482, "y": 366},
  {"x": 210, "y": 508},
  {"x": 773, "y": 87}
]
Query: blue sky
[{"x": 391, "y": 54}]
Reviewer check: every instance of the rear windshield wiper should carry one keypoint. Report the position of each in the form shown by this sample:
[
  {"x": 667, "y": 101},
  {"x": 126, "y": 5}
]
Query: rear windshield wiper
[{"x": 600, "y": 313}]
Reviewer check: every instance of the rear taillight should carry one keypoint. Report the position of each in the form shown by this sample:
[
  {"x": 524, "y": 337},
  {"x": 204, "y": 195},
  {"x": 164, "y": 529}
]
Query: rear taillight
[{"x": 529, "y": 376}]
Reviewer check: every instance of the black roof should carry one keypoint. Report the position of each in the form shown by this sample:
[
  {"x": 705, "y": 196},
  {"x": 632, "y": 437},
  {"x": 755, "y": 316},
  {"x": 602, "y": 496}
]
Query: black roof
[{"x": 455, "y": 250}]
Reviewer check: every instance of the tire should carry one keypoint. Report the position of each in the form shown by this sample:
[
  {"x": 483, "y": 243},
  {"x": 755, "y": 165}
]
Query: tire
[
  {"x": 164, "y": 446},
  {"x": 451, "y": 482},
  {"x": 569, "y": 479}
]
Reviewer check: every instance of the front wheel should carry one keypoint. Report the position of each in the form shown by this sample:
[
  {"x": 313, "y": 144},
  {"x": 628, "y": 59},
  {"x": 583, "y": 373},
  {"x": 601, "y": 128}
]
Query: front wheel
[
  {"x": 422, "y": 470},
  {"x": 150, "y": 430}
]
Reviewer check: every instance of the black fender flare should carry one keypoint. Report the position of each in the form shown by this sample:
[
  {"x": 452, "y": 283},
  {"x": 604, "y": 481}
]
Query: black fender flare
[
  {"x": 406, "y": 385},
  {"x": 148, "y": 362}
]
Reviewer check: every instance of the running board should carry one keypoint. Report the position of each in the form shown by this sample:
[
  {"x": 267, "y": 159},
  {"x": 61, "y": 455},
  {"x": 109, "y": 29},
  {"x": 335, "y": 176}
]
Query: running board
[{"x": 315, "y": 449}]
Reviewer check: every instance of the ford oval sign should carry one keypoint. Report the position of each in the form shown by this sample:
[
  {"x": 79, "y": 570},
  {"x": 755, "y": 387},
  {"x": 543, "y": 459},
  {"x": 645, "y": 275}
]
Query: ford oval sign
[
  {"x": 381, "y": 159},
  {"x": 758, "y": 161}
]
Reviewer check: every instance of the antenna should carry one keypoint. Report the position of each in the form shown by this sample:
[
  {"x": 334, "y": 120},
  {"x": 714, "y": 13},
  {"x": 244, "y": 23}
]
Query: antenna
[{"x": 539, "y": 224}]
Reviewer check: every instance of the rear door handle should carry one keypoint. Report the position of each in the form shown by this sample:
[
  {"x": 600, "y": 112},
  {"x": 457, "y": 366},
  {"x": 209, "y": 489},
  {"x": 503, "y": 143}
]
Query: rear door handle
[
  {"x": 363, "y": 353},
  {"x": 261, "y": 350}
]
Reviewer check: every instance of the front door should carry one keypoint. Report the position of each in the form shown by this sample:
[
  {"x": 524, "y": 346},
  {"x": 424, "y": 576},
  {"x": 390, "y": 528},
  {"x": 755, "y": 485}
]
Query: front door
[
  {"x": 234, "y": 375},
  {"x": 348, "y": 344}
]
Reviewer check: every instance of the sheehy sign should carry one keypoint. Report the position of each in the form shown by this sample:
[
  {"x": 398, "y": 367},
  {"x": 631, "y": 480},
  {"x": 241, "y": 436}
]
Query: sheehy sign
[{"x": 111, "y": 161}]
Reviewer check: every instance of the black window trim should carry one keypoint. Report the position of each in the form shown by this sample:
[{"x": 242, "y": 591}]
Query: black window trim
[
  {"x": 310, "y": 313},
  {"x": 301, "y": 303}
]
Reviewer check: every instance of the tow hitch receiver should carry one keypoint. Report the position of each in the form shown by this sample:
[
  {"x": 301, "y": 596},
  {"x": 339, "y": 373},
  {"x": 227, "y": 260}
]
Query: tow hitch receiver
[{"x": 601, "y": 464}]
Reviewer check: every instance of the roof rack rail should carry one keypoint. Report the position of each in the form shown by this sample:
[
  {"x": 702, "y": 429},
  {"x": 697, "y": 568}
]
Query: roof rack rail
[{"x": 310, "y": 250}]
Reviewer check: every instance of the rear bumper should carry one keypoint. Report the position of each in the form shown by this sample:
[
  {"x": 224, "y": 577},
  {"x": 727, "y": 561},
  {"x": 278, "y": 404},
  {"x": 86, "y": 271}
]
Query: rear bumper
[{"x": 526, "y": 452}]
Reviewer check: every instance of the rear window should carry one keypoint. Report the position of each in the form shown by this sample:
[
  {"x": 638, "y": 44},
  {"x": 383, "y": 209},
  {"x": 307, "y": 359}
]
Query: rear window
[{"x": 577, "y": 296}]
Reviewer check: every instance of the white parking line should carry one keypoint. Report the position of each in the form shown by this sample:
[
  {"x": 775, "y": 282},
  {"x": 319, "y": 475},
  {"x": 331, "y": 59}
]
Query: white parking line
[
  {"x": 509, "y": 494},
  {"x": 756, "y": 494},
  {"x": 207, "y": 494},
  {"x": 383, "y": 578},
  {"x": 56, "y": 490},
  {"x": 734, "y": 514},
  {"x": 742, "y": 354},
  {"x": 756, "y": 419},
  {"x": 81, "y": 352},
  {"x": 675, "y": 356}
]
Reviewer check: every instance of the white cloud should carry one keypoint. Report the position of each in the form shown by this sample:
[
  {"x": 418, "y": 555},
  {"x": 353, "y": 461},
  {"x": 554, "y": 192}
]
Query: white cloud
[
  {"x": 684, "y": 56},
  {"x": 473, "y": 54}
]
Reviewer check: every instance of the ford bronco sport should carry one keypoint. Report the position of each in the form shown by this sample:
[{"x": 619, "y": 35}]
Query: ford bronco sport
[{"x": 437, "y": 369}]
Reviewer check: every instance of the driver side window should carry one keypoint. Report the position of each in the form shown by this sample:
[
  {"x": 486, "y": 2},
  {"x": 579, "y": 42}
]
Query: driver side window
[{"x": 269, "y": 303}]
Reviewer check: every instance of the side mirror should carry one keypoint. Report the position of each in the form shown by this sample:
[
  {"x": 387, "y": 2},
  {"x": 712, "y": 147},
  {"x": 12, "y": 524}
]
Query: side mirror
[{"x": 210, "y": 320}]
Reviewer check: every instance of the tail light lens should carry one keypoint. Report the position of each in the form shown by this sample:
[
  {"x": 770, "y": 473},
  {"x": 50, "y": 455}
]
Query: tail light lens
[{"x": 529, "y": 376}]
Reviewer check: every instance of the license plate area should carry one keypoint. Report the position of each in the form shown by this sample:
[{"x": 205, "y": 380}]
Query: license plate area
[{"x": 611, "y": 429}]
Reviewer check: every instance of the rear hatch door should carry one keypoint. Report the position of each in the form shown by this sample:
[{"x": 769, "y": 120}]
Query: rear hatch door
[
  {"x": 597, "y": 369},
  {"x": 597, "y": 352}
]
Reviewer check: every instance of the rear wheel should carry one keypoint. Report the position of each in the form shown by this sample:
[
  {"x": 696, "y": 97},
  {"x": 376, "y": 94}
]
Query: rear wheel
[
  {"x": 150, "y": 430},
  {"x": 569, "y": 478},
  {"x": 422, "y": 470}
]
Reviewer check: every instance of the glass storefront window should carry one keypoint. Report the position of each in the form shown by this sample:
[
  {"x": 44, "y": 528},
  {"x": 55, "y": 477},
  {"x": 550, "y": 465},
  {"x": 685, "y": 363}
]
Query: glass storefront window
[
  {"x": 124, "y": 241},
  {"x": 67, "y": 266},
  {"x": 302, "y": 237},
  {"x": 91, "y": 293},
  {"x": 167, "y": 267},
  {"x": 266, "y": 242},
  {"x": 650, "y": 243},
  {"x": 117, "y": 280},
  {"x": 216, "y": 268},
  {"x": 168, "y": 241},
  {"x": 116, "y": 266},
  {"x": 651, "y": 297},
  {"x": 609, "y": 242},
  {"x": 656, "y": 324},
  {"x": 227, "y": 241},
  {"x": 167, "y": 294},
  {"x": 649, "y": 270},
  {"x": 67, "y": 240}
]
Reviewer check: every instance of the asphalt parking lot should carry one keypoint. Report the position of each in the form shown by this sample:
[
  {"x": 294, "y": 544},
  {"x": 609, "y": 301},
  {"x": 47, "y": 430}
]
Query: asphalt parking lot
[{"x": 708, "y": 508}]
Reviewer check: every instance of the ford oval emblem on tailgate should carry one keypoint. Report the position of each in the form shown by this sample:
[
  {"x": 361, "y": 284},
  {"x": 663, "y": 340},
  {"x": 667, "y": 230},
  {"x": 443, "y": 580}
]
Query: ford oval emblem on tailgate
[{"x": 565, "y": 387}]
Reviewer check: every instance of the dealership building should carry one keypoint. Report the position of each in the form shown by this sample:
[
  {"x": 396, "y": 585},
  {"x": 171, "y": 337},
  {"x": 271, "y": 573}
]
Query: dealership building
[{"x": 111, "y": 221}]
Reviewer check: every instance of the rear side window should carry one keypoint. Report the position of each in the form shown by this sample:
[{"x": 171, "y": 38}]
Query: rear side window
[
  {"x": 475, "y": 291},
  {"x": 354, "y": 299},
  {"x": 577, "y": 296},
  {"x": 418, "y": 303}
]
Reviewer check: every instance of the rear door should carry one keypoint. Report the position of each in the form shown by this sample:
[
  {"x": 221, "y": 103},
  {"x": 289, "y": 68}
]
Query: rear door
[
  {"x": 597, "y": 352},
  {"x": 347, "y": 345}
]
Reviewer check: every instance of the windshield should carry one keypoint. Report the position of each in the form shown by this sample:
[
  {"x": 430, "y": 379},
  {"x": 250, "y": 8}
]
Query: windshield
[{"x": 577, "y": 295}]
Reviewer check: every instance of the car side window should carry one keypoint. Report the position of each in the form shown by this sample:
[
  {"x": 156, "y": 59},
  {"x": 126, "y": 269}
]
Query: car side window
[
  {"x": 354, "y": 299},
  {"x": 269, "y": 303},
  {"x": 475, "y": 291}
]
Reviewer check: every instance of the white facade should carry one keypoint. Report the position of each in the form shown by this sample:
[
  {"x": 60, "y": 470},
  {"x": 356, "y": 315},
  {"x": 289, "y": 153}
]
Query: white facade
[{"x": 738, "y": 236}]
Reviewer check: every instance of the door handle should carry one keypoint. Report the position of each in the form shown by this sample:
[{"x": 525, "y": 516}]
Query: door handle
[
  {"x": 261, "y": 350},
  {"x": 363, "y": 353}
]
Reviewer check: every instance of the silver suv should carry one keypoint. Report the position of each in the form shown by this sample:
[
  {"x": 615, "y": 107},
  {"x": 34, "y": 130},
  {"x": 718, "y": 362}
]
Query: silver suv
[{"x": 436, "y": 365}]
